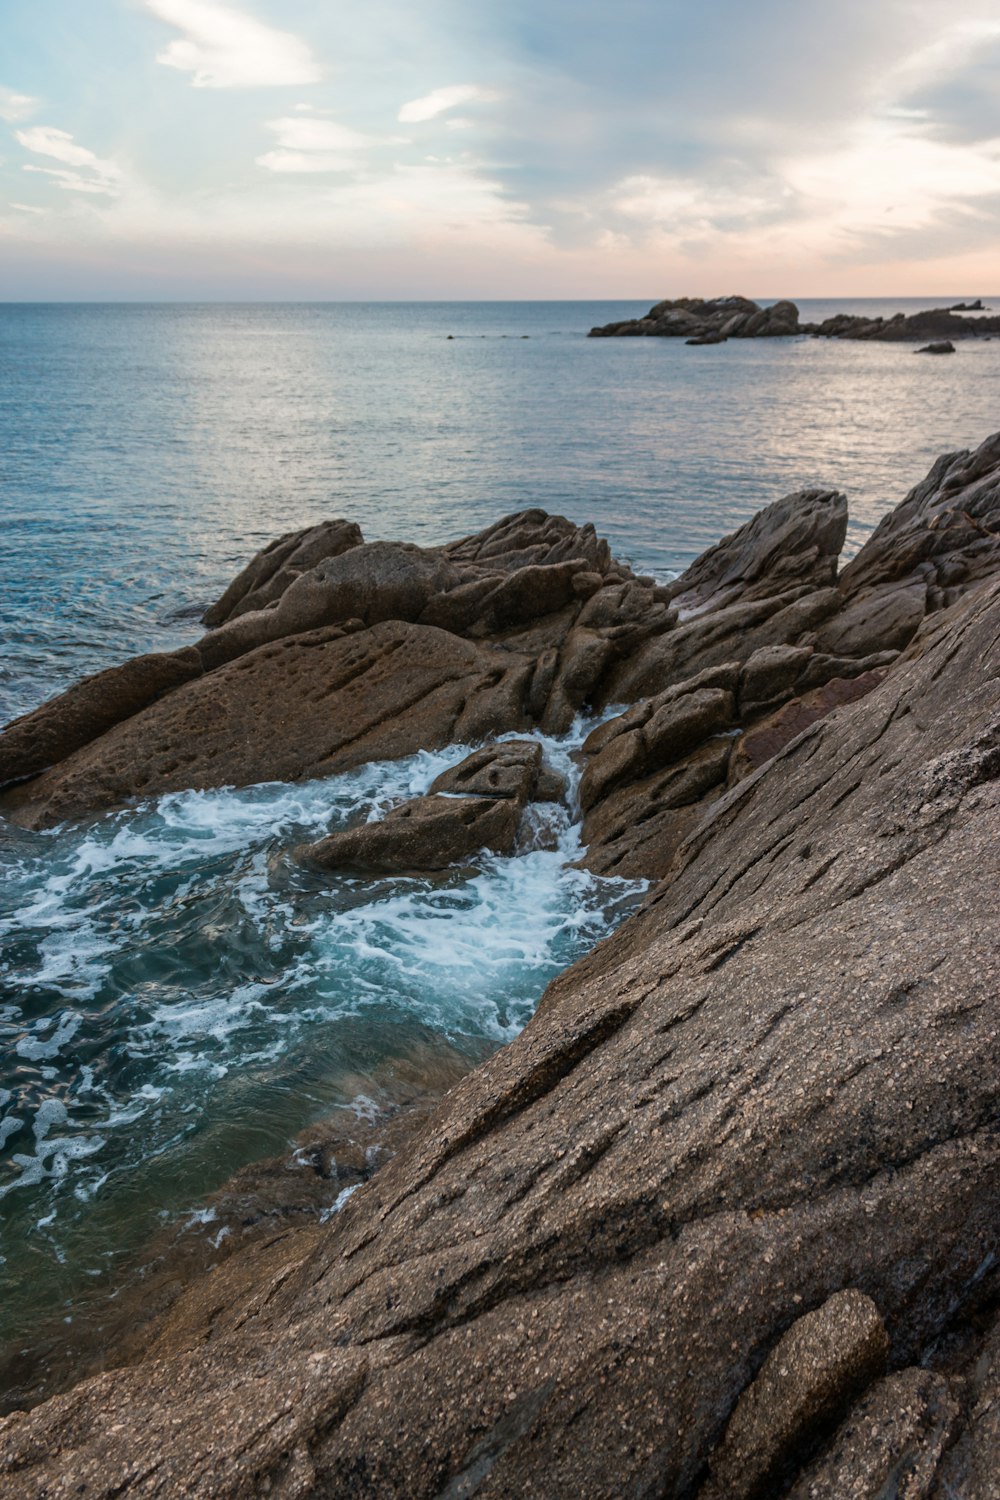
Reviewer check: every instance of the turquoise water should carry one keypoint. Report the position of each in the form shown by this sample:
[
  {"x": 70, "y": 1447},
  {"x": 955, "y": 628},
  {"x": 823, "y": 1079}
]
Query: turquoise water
[{"x": 176, "y": 997}]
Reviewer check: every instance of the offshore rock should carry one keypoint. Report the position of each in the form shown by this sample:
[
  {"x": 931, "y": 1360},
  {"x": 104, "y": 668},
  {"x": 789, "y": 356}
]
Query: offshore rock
[
  {"x": 708, "y": 322},
  {"x": 776, "y": 1082},
  {"x": 938, "y": 324}
]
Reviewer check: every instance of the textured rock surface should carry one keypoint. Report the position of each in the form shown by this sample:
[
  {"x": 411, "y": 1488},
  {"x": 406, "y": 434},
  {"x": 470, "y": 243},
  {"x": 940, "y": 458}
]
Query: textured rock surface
[
  {"x": 891, "y": 1444},
  {"x": 266, "y": 577},
  {"x": 775, "y": 1082},
  {"x": 807, "y": 1380}
]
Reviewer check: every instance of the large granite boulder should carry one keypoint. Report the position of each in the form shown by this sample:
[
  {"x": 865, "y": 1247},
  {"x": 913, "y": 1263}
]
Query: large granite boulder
[{"x": 775, "y": 1083}]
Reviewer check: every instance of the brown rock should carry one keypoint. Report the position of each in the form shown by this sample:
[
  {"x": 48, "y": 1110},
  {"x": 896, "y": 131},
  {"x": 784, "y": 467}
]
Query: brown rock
[
  {"x": 308, "y": 705},
  {"x": 512, "y": 768},
  {"x": 268, "y": 574},
  {"x": 946, "y": 531},
  {"x": 758, "y": 745},
  {"x": 90, "y": 708},
  {"x": 427, "y": 833},
  {"x": 636, "y": 831},
  {"x": 794, "y": 542},
  {"x": 674, "y": 727},
  {"x": 770, "y": 674},
  {"x": 816, "y": 1369},
  {"x": 891, "y": 1443},
  {"x": 776, "y": 1081}
]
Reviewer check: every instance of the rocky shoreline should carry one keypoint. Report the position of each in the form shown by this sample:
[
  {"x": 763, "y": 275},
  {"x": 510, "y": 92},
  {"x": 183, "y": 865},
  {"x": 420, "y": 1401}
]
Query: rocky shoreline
[
  {"x": 723, "y": 1220},
  {"x": 714, "y": 321}
]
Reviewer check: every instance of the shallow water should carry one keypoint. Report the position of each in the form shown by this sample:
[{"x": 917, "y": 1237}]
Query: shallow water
[
  {"x": 177, "y": 998},
  {"x": 181, "y": 997}
]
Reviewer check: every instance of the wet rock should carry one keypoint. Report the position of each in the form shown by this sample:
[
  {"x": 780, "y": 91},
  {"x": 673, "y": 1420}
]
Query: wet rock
[
  {"x": 824, "y": 1360},
  {"x": 473, "y": 806},
  {"x": 308, "y": 705},
  {"x": 942, "y": 346},
  {"x": 427, "y": 833},
  {"x": 513, "y": 768},
  {"x": 937, "y": 323},
  {"x": 269, "y": 573}
]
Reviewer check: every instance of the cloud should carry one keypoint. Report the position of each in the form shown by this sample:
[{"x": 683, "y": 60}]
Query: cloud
[
  {"x": 307, "y": 143},
  {"x": 73, "y": 182},
  {"x": 435, "y": 103},
  {"x": 45, "y": 140},
  {"x": 224, "y": 49},
  {"x": 15, "y": 106},
  {"x": 26, "y": 208}
]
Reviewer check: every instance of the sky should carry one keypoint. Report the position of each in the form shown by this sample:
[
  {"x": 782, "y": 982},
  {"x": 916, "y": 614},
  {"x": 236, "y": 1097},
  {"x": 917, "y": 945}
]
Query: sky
[{"x": 343, "y": 149}]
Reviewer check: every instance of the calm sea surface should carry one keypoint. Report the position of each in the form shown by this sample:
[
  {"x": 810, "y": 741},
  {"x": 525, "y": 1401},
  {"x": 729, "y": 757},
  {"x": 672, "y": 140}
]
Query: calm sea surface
[{"x": 174, "y": 1001}]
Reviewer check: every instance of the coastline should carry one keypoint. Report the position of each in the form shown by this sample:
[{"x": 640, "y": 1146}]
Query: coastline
[{"x": 740, "y": 969}]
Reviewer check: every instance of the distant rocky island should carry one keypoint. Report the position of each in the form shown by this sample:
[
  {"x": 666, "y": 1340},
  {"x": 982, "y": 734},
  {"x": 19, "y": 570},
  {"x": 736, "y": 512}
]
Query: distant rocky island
[
  {"x": 713, "y": 322},
  {"x": 722, "y": 1222}
]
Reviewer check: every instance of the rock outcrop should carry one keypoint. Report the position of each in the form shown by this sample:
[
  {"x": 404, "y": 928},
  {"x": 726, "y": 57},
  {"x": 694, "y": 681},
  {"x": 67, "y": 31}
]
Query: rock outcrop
[
  {"x": 743, "y": 1158},
  {"x": 477, "y": 805},
  {"x": 708, "y": 322},
  {"x": 380, "y": 649},
  {"x": 937, "y": 324},
  {"x": 701, "y": 322}
]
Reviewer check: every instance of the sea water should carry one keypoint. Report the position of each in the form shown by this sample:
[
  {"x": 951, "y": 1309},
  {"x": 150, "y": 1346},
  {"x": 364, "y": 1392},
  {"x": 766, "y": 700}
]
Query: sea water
[{"x": 177, "y": 996}]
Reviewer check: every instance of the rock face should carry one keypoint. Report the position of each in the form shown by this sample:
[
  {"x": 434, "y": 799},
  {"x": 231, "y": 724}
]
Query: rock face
[
  {"x": 661, "y": 1243},
  {"x": 506, "y": 630}
]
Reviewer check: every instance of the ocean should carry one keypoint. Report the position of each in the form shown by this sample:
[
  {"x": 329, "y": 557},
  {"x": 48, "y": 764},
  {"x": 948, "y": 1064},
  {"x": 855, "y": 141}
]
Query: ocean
[{"x": 176, "y": 999}]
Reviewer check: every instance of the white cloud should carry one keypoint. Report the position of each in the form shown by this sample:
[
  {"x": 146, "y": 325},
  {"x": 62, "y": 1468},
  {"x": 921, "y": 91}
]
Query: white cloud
[
  {"x": 14, "y": 106},
  {"x": 46, "y": 140},
  {"x": 311, "y": 134},
  {"x": 224, "y": 49},
  {"x": 439, "y": 100},
  {"x": 73, "y": 182},
  {"x": 26, "y": 208},
  {"x": 312, "y": 144},
  {"x": 307, "y": 161}
]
